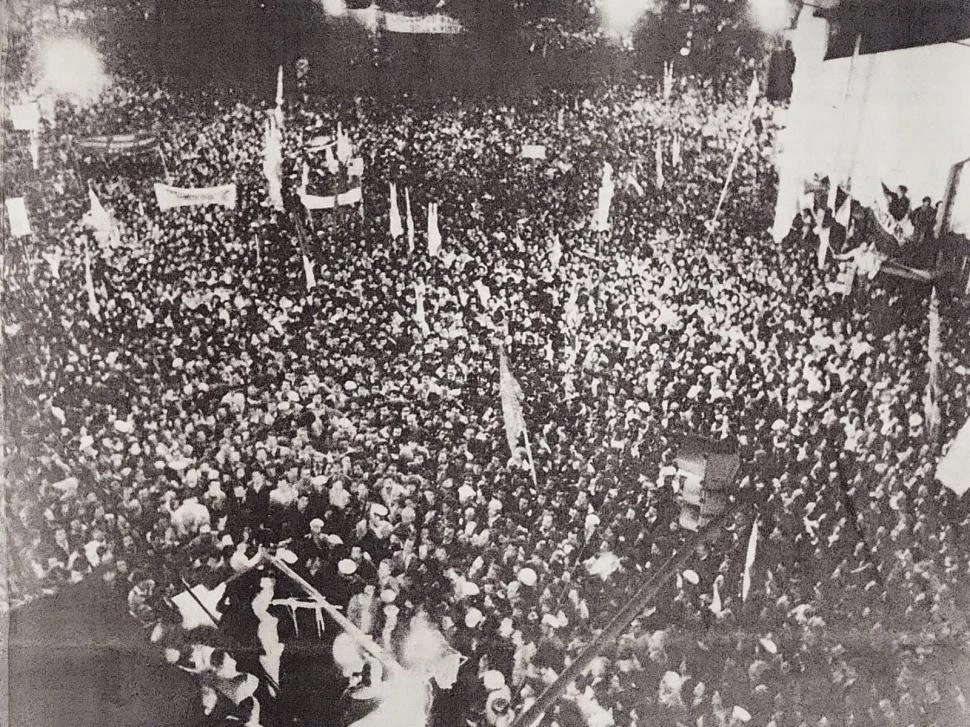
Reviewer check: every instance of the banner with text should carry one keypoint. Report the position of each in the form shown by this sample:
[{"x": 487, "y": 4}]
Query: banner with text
[
  {"x": 169, "y": 197},
  {"x": 118, "y": 143}
]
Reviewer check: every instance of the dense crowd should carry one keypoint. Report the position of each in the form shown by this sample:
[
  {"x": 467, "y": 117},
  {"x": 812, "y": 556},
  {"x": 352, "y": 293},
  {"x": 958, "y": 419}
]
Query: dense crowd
[{"x": 212, "y": 406}]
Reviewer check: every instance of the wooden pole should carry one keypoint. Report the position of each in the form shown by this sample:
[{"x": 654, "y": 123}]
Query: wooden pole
[
  {"x": 618, "y": 624},
  {"x": 365, "y": 641}
]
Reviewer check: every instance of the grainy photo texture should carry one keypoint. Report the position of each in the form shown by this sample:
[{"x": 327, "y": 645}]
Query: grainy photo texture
[{"x": 485, "y": 363}]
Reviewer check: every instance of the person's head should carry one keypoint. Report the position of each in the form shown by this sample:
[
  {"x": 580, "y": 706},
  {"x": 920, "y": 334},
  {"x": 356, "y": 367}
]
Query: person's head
[
  {"x": 223, "y": 663},
  {"x": 927, "y": 201},
  {"x": 902, "y": 190}
]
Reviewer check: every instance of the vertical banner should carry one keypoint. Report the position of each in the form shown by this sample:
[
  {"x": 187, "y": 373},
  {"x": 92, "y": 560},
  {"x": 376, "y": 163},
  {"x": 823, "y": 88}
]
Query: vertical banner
[
  {"x": 397, "y": 229},
  {"x": 17, "y": 214}
]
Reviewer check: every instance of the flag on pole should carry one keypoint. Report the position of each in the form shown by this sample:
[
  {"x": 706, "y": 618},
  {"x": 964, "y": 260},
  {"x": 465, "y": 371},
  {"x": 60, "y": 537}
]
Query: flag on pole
[
  {"x": 555, "y": 255},
  {"x": 396, "y": 227},
  {"x": 511, "y": 402},
  {"x": 434, "y": 234},
  {"x": 745, "y": 126},
  {"x": 749, "y": 561},
  {"x": 93, "y": 307},
  {"x": 305, "y": 252},
  {"x": 601, "y": 219},
  {"x": 675, "y": 151},
  {"x": 511, "y": 394},
  {"x": 34, "y": 148},
  {"x": 17, "y": 214},
  {"x": 955, "y": 464},
  {"x": 279, "y": 86},
  {"x": 419, "y": 312},
  {"x": 273, "y": 162},
  {"x": 344, "y": 147},
  {"x": 660, "y": 165},
  {"x": 753, "y": 92},
  {"x": 410, "y": 219}
]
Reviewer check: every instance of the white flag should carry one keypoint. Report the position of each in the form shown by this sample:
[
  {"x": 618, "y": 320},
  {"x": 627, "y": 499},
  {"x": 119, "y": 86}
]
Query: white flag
[
  {"x": 434, "y": 234},
  {"x": 279, "y": 87},
  {"x": 749, "y": 560},
  {"x": 511, "y": 402},
  {"x": 675, "y": 152},
  {"x": 93, "y": 307},
  {"x": 410, "y": 219},
  {"x": 98, "y": 219},
  {"x": 34, "y": 148},
  {"x": 419, "y": 313},
  {"x": 484, "y": 294},
  {"x": 601, "y": 220},
  {"x": 396, "y": 227},
  {"x": 17, "y": 214},
  {"x": 311, "y": 280},
  {"x": 555, "y": 255},
  {"x": 660, "y": 165},
  {"x": 955, "y": 464},
  {"x": 273, "y": 163},
  {"x": 53, "y": 259},
  {"x": 344, "y": 147}
]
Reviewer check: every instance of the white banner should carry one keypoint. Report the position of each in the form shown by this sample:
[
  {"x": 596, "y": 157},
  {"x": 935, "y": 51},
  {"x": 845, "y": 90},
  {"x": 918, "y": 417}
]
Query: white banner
[
  {"x": 533, "y": 151},
  {"x": 437, "y": 24},
  {"x": 17, "y": 213},
  {"x": 328, "y": 202},
  {"x": 25, "y": 116},
  {"x": 169, "y": 196},
  {"x": 954, "y": 465}
]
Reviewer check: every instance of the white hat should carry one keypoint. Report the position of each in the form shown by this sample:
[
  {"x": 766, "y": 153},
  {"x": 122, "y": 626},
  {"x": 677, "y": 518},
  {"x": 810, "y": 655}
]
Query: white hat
[
  {"x": 527, "y": 577},
  {"x": 316, "y": 523},
  {"x": 741, "y": 714},
  {"x": 493, "y": 679},
  {"x": 123, "y": 426},
  {"x": 347, "y": 567},
  {"x": 473, "y": 617},
  {"x": 915, "y": 419},
  {"x": 768, "y": 645},
  {"x": 691, "y": 577}
]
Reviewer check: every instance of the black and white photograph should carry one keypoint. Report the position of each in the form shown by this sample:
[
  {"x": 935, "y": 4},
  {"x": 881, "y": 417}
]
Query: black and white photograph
[{"x": 485, "y": 363}]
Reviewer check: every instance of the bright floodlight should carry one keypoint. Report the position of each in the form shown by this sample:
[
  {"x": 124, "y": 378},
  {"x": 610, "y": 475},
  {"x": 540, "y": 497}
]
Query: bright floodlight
[
  {"x": 621, "y": 16},
  {"x": 771, "y": 16},
  {"x": 70, "y": 67}
]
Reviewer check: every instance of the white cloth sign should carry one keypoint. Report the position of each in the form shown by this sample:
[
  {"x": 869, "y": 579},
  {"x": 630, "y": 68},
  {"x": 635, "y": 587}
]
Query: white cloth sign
[
  {"x": 17, "y": 214},
  {"x": 25, "y": 116},
  {"x": 533, "y": 151},
  {"x": 169, "y": 196},
  {"x": 953, "y": 471},
  {"x": 436, "y": 24}
]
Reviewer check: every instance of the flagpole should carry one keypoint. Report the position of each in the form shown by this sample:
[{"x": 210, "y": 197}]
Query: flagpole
[
  {"x": 528, "y": 453},
  {"x": 365, "y": 641},
  {"x": 735, "y": 158},
  {"x": 161, "y": 154},
  {"x": 618, "y": 624}
]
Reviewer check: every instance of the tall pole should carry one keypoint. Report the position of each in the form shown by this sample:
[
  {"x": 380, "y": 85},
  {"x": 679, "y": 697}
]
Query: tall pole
[
  {"x": 365, "y": 641},
  {"x": 618, "y": 624}
]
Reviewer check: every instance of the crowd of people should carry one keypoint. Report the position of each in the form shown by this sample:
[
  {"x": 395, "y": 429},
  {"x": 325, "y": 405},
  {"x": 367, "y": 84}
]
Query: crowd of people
[{"x": 211, "y": 407}]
